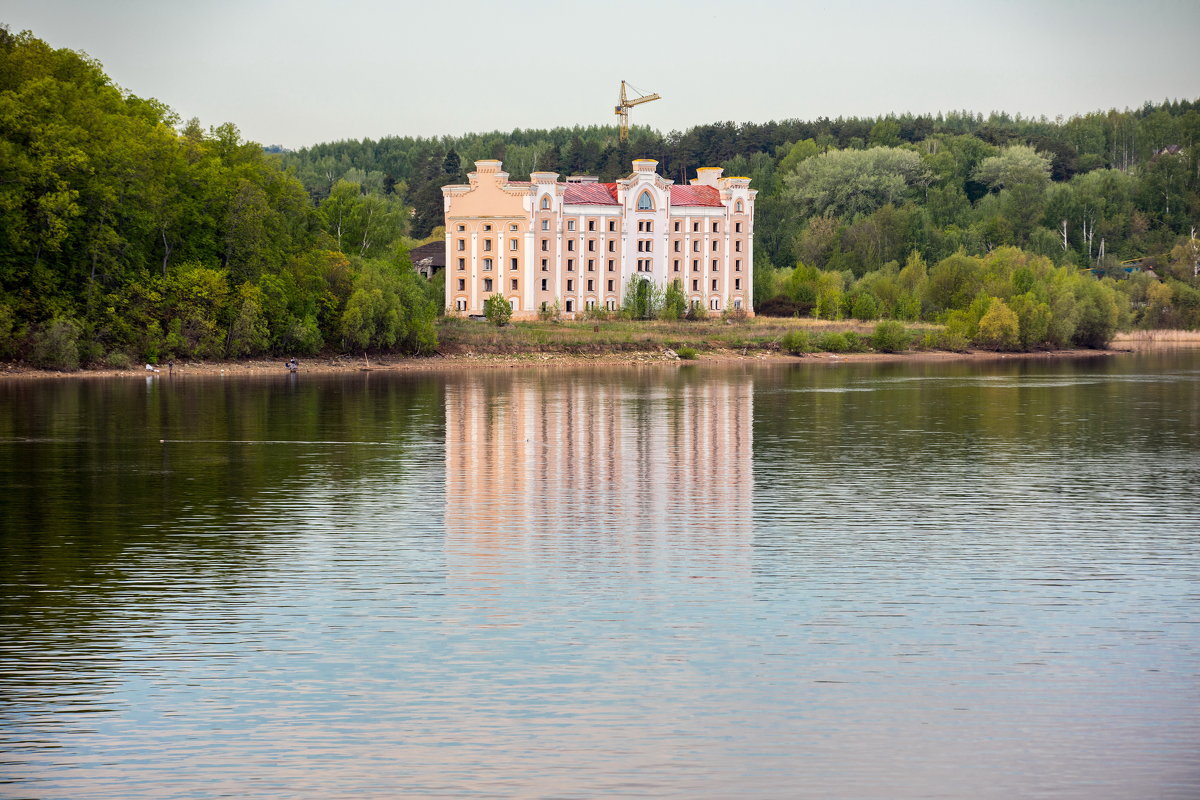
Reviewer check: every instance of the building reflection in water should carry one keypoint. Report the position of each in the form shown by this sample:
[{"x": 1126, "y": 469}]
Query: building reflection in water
[{"x": 641, "y": 471}]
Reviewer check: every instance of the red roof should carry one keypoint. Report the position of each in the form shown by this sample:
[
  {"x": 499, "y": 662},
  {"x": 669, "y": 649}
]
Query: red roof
[
  {"x": 695, "y": 196},
  {"x": 591, "y": 194}
]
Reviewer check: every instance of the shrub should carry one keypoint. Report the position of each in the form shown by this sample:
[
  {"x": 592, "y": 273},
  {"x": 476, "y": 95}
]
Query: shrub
[
  {"x": 696, "y": 312},
  {"x": 865, "y": 307},
  {"x": 597, "y": 313},
  {"x": 854, "y": 342},
  {"x": 56, "y": 346},
  {"x": 952, "y": 340},
  {"x": 890, "y": 337},
  {"x": 549, "y": 311},
  {"x": 687, "y": 353},
  {"x": 497, "y": 310},
  {"x": 797, "y": 342},
  {"x": 998, "y": 328},
  {"x": 674, "y": 303},
  {"x": 118, "y": 360},
  {"x": 833, "y": 342}
]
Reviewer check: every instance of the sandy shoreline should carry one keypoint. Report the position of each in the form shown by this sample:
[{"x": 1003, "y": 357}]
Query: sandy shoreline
[{"x": 458, "y": 362}]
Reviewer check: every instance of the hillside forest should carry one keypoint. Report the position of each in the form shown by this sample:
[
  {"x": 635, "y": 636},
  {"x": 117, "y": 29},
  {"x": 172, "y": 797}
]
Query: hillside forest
[{"x": 128, "y": 233}]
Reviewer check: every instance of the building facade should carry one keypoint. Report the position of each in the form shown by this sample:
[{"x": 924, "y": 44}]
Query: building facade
[{"x": 577, "y": 243}]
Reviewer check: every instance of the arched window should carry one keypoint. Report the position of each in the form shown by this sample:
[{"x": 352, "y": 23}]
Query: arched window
[
  {"x": 545, "y": 201},
  {"x": 738, "y": 208},
  {"x": 645, "y": 202}
]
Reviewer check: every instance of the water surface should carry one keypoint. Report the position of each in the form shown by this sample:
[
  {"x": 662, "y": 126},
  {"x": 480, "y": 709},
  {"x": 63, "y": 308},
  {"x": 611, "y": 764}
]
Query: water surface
[{"x": 866, "y": 581}]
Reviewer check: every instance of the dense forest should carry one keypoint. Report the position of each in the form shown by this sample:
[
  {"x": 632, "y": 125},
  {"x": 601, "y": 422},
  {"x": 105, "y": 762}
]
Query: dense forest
[{"x": 128, "y": 233}]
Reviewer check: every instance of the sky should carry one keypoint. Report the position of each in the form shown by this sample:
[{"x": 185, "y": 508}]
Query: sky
[{"x": 306, "y": 71}]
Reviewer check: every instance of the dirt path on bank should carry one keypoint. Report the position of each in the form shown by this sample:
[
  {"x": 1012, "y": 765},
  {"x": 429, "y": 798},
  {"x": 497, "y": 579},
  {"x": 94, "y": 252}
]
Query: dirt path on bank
[{"x": 456, "y": 362}]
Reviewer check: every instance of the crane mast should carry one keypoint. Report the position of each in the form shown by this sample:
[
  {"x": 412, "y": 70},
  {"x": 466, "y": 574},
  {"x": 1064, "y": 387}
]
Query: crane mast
[{"x": 622, "y": 109}]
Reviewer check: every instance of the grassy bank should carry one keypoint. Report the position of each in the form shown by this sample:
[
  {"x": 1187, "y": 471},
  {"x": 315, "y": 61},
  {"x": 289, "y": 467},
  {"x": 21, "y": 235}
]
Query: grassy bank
[{"x": 462, "y": 336}]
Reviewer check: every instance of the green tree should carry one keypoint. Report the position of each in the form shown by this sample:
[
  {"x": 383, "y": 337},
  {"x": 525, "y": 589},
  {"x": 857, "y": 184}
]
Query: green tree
[
  {"x": 998, "y": 327},
  {"x": 497, "y": 310}
]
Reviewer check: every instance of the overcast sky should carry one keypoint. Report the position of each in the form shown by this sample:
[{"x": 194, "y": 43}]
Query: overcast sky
[{"x": 305, "y": 71}]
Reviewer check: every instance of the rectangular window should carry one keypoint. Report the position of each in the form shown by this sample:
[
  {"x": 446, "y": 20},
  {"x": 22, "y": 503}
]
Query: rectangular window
[
  {"x": 591, "y": 245},
  {"x": 610, "y": 285},
  {"x": 612, "y": 224},
  {"x": 591, "y": 224},
  {"x": 545, "y": 265},
  {"x": 462, "y": 263},
  {"x": 545, "y": 245},
  {"x": 714, "y": 284},
  {"x": 462, "y": 227},
  {"x": 716, "y": 227},
  {"x": 570, "y": 285},
  {"x": 462, "y": 244},
  {"x": 591, "y": 265},
  {"x": 716, "y": 265},
  {"x": 610, "y": 265},
  {"x": 695, "y": 286},
  {"x": 487, "y": 227},
  {"x": 462, "y": 284},
  {"x": 514, "y": 284},
  {"x": 570, "y": 245},
  {"x": 695, "y": 265},
  {"x": 715, "y": 242},
  {"x": 570, "y": 265},
  {"x": 737, "y": 245},
  {"x": 543, "y": 284},
  {"x": 487, "y": 245},
  {"x": 737, "y": 227},
  {"x": 487, "y": 284},
  {"x": 678, "y": 226},
  {"x": 695, "y": 227},
  {"x": 676, "y": 265},
  {"x": 545, "y": 224},
  {"x": 612, "y": 246},
  {"x": 487, "y": 263},
  {"x": 591, "y": 286},
  {"x": 678, "y": 245},
  {"x": 570, "y": 224},
  {"x": 513, "y": 261},
  {"x": 696, "y": 246},
  {"x": 737, "y": 283},
  {"x": 512, "y": 227},
  {"x": 512, "y": 244},
  {"x": 737, "y": 265}
]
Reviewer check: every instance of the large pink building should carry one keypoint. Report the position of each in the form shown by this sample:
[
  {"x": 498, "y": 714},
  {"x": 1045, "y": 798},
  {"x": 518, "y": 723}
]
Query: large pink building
[{"x": 578, "y": 242}]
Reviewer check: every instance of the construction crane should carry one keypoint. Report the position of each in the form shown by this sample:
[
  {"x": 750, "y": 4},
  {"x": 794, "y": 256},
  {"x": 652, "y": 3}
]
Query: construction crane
[{"x": 622, "y": 109}]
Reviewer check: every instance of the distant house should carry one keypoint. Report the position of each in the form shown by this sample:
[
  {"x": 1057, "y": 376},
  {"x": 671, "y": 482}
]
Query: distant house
[{"x": 428, "y": 258}]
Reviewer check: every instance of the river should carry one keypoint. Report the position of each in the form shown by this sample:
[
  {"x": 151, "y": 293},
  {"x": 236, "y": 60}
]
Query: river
[{"x": 897, "y": 580}]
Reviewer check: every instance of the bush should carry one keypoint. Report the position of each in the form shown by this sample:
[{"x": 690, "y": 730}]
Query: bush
[
  {"x": 497, "y": 310},
  {"x": 56, "y": 346},
  {"x": 890, "y": 337},
  {"x": 865, "y": 307},
  {"x": 118, "y": 360},
  {"x": 833, "y": 342},
  {"x": 855, "y": 343},
  {"x": 687, "y": 353},
  {"x": 549, "y": 312},
  {"x": 998, "y": 328},
  {"x": 696, "y": 312},
  {"x": 597, "y": 313},
  {"x": 796, "y": 342}
]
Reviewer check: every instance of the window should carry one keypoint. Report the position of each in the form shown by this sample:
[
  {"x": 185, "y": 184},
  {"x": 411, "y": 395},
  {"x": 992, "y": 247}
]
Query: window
[
  {"x": 570, "y": 265},
  {"x": 514, "y": 284},
  {"x": 737, "y": 303},
  {"x": 487, "y": 245},
  {"x": 737, "y": 226},
  {"x": 487, "y": 263},
  {"x": 714, "y": 284},
  {"x": 545, "y": 224},
  {"x": 591, "y": 265},
  {"x": 695, "y": 227},
  {"x": 612, "y": 305},
  {"x": 461, "y": 305},
  {"x": 715, "y": 242},
  {"x": 545, "y": 245},
  {"x": 591, "y": 286},
  {"x": 612, "y": 246},
  {"x": 716, "y": 265},
  {"x": 696, "y": 246},
  {"x": 462, "y": 263},
  {"x": 678, "y": 245},
  {"x": 645, "y": 202},
  {"x": 462, "y": 227},
  {"x": 610, "y": 265},
  {"x": 570, "y": 306},
  {"x": 695, "y": 265},
  {"x": 737, "y": 284},
  {"x": 738, "y": 208},
  {"x": 610, "y": 286},
  {"x": 462, "y": 244},
  {"x": 512, "y": 227},
  {"x": 678, "y": 226},
  {"x": 570, "y": 285},
  {"x": 543, "y": 284},
  {"x": 737, "y": 245},
  {"x": 512, "y": 244},
  {"x": 462, "y": 284},
  {"x": 715, "y": 304},
  {"x": 646, "y": 226},
  {"x": 570, "y": 224},
  {"x": 589, "y": 303},
  {"x": 676, "y": 265},
  {"x": 695, "y": 286},
  {"x": 487, "y": 227},
  {"x": 591, "y": 245},
  {"x": 545, "y": 201},
  {"x": 737, "y": 265},
  {"x": 513, "y": 263},
  {"x": 487, "y": 284},
  {"x": 591, "y": 224},
  {"x": 516, "y": 303},
  {"x": 716, "y": 227},
  {"x": 612, "y": 225},
  {"x": 545, "y": 265},
  {"x": 570, "y": 245}
]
